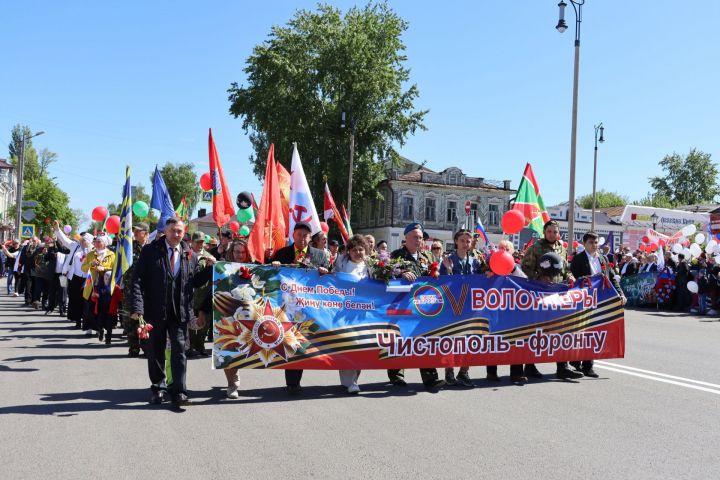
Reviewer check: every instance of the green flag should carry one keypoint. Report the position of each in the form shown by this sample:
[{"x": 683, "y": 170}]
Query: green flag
[{"x": 530, "y": 203}]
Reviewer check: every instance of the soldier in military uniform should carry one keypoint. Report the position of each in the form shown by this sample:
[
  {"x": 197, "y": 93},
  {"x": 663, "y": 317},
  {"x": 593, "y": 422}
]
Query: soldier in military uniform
[
  {"x": 140, "y": 234},
  {"x": 202, "y": 300},
  {"x": 419, "y": 260},
  {"x": 546, "y": 260}
]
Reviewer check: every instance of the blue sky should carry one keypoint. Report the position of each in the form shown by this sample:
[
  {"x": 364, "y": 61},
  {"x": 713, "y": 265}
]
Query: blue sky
[{"x": 139, "y": 83}]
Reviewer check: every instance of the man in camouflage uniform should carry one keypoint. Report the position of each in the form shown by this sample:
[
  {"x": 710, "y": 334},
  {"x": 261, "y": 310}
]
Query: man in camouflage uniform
[
  {"x": 140, "y": 234},
  {"x": 420, "y": 260},
  {"x": 551, "y": 242},
  {"x": 202, "y": 300},
  {"x": 546, "y": 260}
]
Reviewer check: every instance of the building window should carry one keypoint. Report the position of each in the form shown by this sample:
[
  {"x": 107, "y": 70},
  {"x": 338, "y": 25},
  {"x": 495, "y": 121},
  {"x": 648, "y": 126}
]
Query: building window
[
  {"x": 473, "y": 214},
  {"x": 452, "y": 179},
  {"x": 408, "y": 210},
  {"x": 451, "y": 211},
  {"x": 381, "y": 210},
  {"x": 429, "y": 209},
  {"x": 493, "y": 214}
]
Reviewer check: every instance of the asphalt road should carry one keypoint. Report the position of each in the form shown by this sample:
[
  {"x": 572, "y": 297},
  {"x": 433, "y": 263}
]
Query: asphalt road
[{"x": 73, "y": 408}]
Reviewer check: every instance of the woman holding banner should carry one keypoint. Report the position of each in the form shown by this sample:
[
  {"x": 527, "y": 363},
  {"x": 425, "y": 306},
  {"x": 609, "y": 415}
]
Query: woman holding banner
[
  {"x": 353, "y": 262},
  {"x": 461, "y": 262}
]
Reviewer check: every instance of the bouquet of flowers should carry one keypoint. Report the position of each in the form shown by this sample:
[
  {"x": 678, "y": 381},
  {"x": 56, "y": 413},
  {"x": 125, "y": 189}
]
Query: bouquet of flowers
[
  {"x": 386, "y": 268},
  {"x": 144, "y": 329}
]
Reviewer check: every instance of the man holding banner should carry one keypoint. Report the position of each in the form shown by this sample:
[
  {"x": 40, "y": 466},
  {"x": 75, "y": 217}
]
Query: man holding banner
[{"x": 413, "y": 253}]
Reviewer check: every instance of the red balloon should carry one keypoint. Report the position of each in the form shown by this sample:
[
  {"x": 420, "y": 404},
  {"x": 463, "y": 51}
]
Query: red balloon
[
  {"x": 501, "y": 262},
  {"x": 324, "y": 227},
  {"x": 662, "y": 242},
  {"x": 513, "y": 221},
  {"x": 234, "y": 226},
  {"x": 99, "y": 213},
  {"x": 576, "y": 244},
  {"x": 641, "y": 247},
  {"x": 113, "y": 224},
  {"x": 646, "y": 239},
  {"x": 206, "y": 181},
  {"x": 653, "y": 247},
  {"x": 565, "y": 244}
]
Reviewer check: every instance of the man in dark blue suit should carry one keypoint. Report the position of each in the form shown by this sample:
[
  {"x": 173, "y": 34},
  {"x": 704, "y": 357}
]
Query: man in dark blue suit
[{"x": 162, "y": 292}]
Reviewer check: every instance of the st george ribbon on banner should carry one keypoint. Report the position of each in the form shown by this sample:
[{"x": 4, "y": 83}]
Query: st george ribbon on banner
[{"x": 266, "y": 317}]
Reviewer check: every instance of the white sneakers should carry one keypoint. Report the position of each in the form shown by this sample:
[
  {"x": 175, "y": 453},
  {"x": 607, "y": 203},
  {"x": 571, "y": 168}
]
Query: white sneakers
[
  {"x": 354, "y": 388},
  {"x": 232, "y": 392}
]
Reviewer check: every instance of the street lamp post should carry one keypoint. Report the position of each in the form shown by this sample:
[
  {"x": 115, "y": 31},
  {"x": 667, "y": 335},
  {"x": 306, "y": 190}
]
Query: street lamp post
[
  {"x": 561, "y": 27},
  {"x": 654, "y": 219},
  {"x": 20, "y": 173},
  {"x": 343, "y": 124},
  {"x": 598, "y": 128}
]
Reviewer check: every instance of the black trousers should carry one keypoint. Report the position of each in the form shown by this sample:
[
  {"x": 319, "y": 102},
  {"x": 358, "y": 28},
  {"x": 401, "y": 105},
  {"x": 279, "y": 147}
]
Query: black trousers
[
  {"x": 76, "y": 301},
  {"x": 428, "y": 375},
  {"x": 293, "y": 377},
  {"x": 177, "y": 333},
  {"x": 515, "y": 370}
]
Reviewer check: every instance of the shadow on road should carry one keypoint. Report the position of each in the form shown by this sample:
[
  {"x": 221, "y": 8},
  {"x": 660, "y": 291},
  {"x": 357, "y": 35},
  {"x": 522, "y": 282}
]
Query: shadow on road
[
  {"x": 66, "y": 357},
  {"x": 97, "y": 401},
  {"x": 8, "y": 368}
]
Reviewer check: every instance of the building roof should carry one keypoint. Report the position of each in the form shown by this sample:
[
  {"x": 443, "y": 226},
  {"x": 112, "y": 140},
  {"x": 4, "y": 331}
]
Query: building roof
[
  {"x": 419, "y": 173},
  {"x": 701, "y": 208},
  {"x": 613, "y": 211},
  {"x": 5, "y": 164}
]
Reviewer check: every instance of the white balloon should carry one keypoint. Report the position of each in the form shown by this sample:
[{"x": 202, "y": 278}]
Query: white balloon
[
  {"x": 601, "y": 242},
  {"x": 692, "y": 286},
  {"x": 716, "y": 250},
  {"x": 695, "y": 250},
  {"x": 677, "y": 248},
  {"x": 686, "y": 253},
  {"x": 689, "y": 229},
  {"x": 710, "y": 247},
  {"x": 717, "y": 259},
  {"x": 700, "y": 238}
]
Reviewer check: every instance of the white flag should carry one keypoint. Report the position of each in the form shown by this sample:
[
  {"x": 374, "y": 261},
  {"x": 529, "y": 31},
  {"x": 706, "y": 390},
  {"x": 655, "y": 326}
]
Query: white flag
[{"x": 302, "y": 208}]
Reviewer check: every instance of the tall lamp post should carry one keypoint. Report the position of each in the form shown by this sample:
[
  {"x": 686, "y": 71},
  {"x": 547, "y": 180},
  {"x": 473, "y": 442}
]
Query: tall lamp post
[
  {"x": 598, "y": 128},
  {"x": 654, "y": 219},
  {"x": 343, "y": 124},
  {"x": 561, "y": 27},
  {"x": 20, "y": 173}
]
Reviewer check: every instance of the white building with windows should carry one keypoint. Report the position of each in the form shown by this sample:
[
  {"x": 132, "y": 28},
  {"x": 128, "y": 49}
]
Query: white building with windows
[
  {"x": 414, "y": 193},
  {"x": 7, "y": 200}
]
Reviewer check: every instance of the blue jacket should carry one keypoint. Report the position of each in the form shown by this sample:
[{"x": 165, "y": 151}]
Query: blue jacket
[{"x": 471, "y": 267}]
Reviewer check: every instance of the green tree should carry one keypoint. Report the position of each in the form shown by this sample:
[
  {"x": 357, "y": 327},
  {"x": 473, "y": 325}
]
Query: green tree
[
  {"x": 53, "y": 203},
  {"x": 603, "y": 199},
  {"x": 180, "y": 180},
  {"x": 31, "y": 167},
  {"x": 310, "y": 71},
  {"x": 654, "y": 200},
  {"x": 688, "y": 180}
]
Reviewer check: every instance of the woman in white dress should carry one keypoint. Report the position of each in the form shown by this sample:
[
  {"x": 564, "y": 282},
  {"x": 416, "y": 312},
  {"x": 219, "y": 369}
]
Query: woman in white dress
[{"x": 352, "y": 261}]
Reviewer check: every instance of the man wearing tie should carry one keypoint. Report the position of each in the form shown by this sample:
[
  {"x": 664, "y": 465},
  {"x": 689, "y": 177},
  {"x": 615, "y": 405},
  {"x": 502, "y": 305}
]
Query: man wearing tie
[{"x": 162, "y": 291}]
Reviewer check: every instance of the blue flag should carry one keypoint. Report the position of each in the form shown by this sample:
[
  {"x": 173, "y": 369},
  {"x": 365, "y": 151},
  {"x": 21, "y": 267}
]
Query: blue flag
[{"x": 161, "y": 200}]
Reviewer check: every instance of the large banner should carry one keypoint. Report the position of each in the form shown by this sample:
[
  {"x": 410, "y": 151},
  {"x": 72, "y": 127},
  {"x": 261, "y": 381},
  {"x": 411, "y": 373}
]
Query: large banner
[
  {"x": 266, "y": 317},
  {"x": 639, "y": 289}
]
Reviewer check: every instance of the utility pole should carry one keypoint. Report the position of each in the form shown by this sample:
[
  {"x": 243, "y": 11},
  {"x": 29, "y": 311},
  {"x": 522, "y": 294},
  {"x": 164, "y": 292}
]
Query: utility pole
[{"x": 20, "y": 177}]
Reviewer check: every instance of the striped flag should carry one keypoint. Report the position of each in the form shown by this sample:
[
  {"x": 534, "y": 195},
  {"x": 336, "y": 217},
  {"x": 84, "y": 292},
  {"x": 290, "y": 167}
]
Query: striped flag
[
  {"x": 124, "y": 252},
  {"x": 331, "y": 212},
  {"x": 348, "y": 228},
  {"x": 182, "y": 211},
  {"x": 479, "y": 229},
  {"x": 530, "y": 203}
]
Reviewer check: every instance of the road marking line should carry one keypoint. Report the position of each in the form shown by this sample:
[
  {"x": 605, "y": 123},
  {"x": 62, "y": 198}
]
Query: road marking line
[
  {"x": 650, "y": 372},
  {"x": 663, "y": 380}
]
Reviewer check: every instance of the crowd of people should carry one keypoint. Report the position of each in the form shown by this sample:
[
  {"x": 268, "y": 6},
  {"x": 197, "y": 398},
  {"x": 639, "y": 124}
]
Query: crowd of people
[{"x": 169, "y": 287}]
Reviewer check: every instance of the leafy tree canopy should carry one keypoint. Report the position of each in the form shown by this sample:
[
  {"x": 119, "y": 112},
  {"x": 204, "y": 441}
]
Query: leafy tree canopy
[
  {"x": 310, "y": 71},
  {"x": 688, "y": 180},
  {"x": 603, "y": 199}
]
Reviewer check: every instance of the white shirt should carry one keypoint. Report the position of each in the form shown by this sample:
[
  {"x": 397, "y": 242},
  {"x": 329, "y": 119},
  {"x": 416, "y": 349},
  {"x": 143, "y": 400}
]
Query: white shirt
[
  {"x": 595, "y": 265},
  {"x": 176, "y": 264},
  {"x": 358, "y": 270}
]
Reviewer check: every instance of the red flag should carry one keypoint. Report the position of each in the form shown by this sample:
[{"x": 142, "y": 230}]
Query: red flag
[
  {"x": 269, "y": 228},
  {"x": 223, "y": 209},
  {"x": 284, "y": 183},
  {"x": 331, "y": 212}
]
